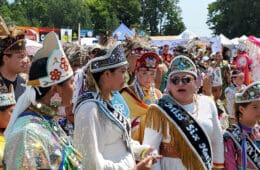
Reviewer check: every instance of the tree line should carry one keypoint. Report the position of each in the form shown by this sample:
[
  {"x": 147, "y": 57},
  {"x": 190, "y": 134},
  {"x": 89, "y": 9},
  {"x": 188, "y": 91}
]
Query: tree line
[
  {"x": 232, "y": 18},
  {"x": 155, "y": 17}
]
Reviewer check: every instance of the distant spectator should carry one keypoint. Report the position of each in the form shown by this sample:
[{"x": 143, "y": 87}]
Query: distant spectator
[
  {"x": 13, "y": 60},
  {"x": 166, "y": 56}
]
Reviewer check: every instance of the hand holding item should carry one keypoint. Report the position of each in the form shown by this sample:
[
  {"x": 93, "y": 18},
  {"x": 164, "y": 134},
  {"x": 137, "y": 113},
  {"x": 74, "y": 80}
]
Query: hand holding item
[
  {"x": 147, "y": 162},
  {"x": 148, "y": 152}
]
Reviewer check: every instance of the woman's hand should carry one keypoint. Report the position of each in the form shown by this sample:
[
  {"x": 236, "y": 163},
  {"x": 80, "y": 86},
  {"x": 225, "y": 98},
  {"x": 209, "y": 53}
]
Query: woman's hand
[
  {"x": 149, "y": 151},
  {"x": 147, "y": 162}
]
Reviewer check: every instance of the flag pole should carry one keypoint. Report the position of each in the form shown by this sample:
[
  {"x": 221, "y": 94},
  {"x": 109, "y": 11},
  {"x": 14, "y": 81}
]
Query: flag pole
[{"x": 79, "y": 39}]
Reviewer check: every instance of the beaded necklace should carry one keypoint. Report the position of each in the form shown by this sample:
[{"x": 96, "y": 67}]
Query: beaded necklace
[
  {"x": 72, "y": 158},
  {"x": 140, "y": 93}
]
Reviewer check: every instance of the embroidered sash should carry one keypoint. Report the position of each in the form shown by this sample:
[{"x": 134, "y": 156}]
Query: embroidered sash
[
  {"x": 253, "y": 153},
  {"x": 108, "y": 110},
  {"x": 191, "y": 131}
]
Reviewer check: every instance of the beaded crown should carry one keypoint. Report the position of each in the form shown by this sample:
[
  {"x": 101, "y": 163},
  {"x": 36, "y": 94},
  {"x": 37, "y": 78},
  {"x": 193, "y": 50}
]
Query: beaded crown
[
  {"x": 148, "y": 60},
  {"x": 58, "y": 67},
  {"x": 181, "y": 64},
  {"x": 115, "y": 57},
  {"x": 7, "y": 99},
  {"x": 249, "y": 94}
]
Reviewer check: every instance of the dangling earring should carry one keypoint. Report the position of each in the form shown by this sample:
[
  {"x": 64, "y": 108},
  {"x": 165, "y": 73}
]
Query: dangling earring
[{"x": 56, "y": 100}]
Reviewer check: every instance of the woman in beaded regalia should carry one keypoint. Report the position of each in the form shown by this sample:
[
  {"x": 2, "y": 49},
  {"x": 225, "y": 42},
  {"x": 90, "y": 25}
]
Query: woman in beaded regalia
[
  {"x": 34, "y": 140},
  {"x": 240, "y": 139},
  {"x": 102, "y": 126},
  {"x": 142, "y": 93},
  {"x": 183, "y": 126}
]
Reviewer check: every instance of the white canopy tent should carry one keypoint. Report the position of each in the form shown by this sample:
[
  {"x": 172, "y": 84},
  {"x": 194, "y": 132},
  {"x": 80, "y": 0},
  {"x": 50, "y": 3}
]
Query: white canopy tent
[{"x": 187, "y": 35}]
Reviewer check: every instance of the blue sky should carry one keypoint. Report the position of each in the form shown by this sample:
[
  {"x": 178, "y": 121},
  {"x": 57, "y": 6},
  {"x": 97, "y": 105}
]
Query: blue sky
[{"x": 194, "y": 14}]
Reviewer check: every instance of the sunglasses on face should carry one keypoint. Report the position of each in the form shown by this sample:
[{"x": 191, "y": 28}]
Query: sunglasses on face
[
  {"x": 185, "y": 80},
  {"x": 240, "y": 77},
  {"x": 139, "y": 51}
]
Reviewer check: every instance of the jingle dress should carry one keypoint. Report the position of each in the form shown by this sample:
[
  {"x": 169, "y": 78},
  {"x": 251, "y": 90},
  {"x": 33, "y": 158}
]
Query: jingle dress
[{"x": 38, "y": 142}]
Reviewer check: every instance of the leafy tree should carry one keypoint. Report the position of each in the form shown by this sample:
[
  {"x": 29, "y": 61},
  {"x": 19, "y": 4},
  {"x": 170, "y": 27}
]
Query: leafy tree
[
  {"x": 51, "y": 13},
  {"x": 106, "y": 15},
  {"x": 154, "y": 16},
  {"x": 5, "y": 12},
  {"x": 101, "y": 17},
  {"x": 127, "y": 12},
  {"x": 173, "y": 24},
  {"x": 161, "y": 17},
  {"x": 3, "y": 2},
  {"x": 234, "y": 18}
]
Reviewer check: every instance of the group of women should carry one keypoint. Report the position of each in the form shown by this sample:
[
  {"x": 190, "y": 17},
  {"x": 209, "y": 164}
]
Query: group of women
[{"x": 126, "y": 127}]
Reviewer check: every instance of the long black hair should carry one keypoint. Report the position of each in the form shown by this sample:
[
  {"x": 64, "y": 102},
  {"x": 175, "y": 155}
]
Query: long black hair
[{"x": 38, "y": 70}]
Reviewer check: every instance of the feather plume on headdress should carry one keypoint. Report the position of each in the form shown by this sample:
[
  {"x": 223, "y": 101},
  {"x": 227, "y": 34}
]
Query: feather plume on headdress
[
  {"x": 195, "y": 45},
  {"x": 75, "y": 53},
  {"x": 135, "y": 43},
  {"x": 11, "y": 39}
]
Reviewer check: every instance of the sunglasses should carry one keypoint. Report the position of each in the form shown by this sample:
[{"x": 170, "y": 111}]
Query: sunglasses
[
  {"x": 240, "y": 77},
  {"x": 185, "y": 80},
  {"x": 139, "y": 51}
]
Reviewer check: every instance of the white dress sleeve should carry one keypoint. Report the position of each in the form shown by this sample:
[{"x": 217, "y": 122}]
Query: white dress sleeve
[
  {"x": 89, "y": 140},
  {"x": 216, "y": 137}
]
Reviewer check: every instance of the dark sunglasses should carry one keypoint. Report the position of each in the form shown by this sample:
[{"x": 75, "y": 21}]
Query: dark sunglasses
[{"x": 185, "y": 80}]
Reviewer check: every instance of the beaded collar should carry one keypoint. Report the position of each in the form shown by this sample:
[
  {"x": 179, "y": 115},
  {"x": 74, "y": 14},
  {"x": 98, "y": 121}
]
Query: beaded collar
[
  {"x": 71, "y": 158},
  {"x": 43, "y": 109},
  {"x": 140, "y": 93}
]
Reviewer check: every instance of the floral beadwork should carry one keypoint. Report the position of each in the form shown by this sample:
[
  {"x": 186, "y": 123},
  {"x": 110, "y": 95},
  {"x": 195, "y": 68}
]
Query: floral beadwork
[
  {"x": 251, "y": 93},
  {"x": 58, "y": 67},
  {"x": 183, "y": 64},
  {"x": 64, "y": 64},
  {"x": 148, "y": 60},
  {"x": 55, "y": 74}
]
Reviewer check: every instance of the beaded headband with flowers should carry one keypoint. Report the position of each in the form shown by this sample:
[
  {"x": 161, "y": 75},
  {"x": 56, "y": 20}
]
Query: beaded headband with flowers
[
  {"x": 58, "y": 68},
  {"x": 249, "y": 94},
  {"x": 148, "y": 60},
  {"x": 182, "y": 64},
  {"x": 7, "y": 99},
  {"x": 115, "y": 57}
]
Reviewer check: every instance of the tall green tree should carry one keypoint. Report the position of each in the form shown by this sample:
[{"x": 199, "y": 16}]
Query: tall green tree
[
  {"x": 173, "y": 24},
  {"x": 161, "y": 17},
  {"x": 6, "y": 12},
  {"x": 102, "y": 18},
  {"x": 154, "y": 16},
  {"x": 234, "y": 18},
  {"x": 107, "y": 15},
  {"x": 51, "y": 13}
]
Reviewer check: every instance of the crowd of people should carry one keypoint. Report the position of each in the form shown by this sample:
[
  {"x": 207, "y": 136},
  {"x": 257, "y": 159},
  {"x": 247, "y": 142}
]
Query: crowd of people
[{"x": 126, "y": 106}]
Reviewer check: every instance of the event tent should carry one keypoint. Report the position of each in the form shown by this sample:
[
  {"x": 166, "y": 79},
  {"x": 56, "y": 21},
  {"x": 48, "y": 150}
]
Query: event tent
[
  {"x": 187, "y": 35},
  {"x": 121, "y": 31}
]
